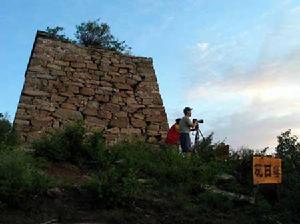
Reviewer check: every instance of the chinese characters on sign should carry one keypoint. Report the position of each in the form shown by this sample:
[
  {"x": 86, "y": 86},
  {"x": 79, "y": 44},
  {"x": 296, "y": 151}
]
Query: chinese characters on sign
[{"x": 266, "y": 170}]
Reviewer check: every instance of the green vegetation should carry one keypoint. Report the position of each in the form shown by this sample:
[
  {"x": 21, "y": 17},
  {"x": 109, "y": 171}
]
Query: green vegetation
[
  {"x": 71, "y": 145},
  {"x": 289, "y": 150},
  {"x": 55, "y": 32},
  {"x": 92, "y": 33},
  {"x": 8, "y": 136},
  {"x": 20, "y": 177},
  {"x": 143, "y": 183}
]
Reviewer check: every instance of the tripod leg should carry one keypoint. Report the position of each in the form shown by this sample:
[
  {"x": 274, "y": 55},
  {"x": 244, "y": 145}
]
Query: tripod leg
[{"x": 202, "y": 135}]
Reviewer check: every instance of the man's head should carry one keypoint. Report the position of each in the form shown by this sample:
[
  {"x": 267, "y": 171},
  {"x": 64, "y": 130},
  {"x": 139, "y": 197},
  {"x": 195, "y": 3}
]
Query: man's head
[
  {"x": 187, "y": 111},
  {"x": 177, "y": 120}
]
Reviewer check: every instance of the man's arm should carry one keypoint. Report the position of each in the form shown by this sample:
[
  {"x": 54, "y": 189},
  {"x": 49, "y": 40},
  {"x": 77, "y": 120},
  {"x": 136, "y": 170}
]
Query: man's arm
[{"x": 190, "y": 123}]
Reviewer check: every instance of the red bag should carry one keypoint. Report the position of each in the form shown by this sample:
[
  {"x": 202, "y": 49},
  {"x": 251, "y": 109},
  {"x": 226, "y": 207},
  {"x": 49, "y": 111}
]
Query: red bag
[{"x": 173, "y": 135}]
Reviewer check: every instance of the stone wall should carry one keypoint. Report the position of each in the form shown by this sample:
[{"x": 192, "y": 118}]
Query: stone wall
[{"x": 64, "y": 82}]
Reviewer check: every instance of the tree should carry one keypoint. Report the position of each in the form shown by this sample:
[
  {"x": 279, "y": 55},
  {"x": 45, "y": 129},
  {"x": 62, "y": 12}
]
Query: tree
[
  {"x": 8, "y": 135},
  {"x": 288, "y": 145},
  {"x": 55, "y": 33},
  {"x": 93, "y": 33}
]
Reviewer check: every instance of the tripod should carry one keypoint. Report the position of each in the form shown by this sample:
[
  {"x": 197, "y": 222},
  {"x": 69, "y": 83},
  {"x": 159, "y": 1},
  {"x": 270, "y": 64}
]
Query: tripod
[{"x": 197, "y": 136}]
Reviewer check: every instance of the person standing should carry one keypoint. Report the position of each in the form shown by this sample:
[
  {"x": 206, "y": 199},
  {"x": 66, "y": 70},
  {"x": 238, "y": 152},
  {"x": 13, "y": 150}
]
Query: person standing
[
  {"x": 173, "y": 133},
  {"x": 185, "y": 127}
]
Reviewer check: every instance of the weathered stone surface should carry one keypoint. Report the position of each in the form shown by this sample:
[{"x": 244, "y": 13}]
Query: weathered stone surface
[
  {"x": 77, "y": 65},
  {"x": 132, "y": 108},
  {"x": 58, "y": 99},
  {"x": 131, "y": 131},
  {"x": 56, "y": 124},
  {"x": 61, "y": 63},
  {"x": 121, "y": 122},
  {"x": 147, "y": 101},
  {"x": 30, "y": 136},
  {"x": 57, "y": 73},
  {"x": 38, "y": 125},
  {"x": 116, "y": 99},
  {"x": 90, "y": 111},
  {"x": 26, "y": 99},
  {"x": 152, "y": 140},
  {"x": 153, "y": 127},
  {"x": 137, "y": 123},
  {"x": 67, "y": 94},
  {"x": 102, "y": 98},
  {"x": 112, "y": 107},
  {"x": 152, "y": 133},
  {"x": 53, "y": 66},
  {"x": 73, "y": 89},
  {"x": 155, "y": 118},
  {"x": 21, "y": 122},
  {"x": 112, "y": 92},
  {"x": 31, "y": 92},
  {"x": 68, "y": 106},
  {"x": 139, "y": 116},
  {"x": 67, "y": 114},
  {"x": 28, "y": 107},
  {"x": 44, "y": 105},
  {"x": 122, "y": 86},
  {"x": 164, "y": 126},
  {"x": 105, "y": 84},
  {"x": 95, "y": 122},
  {"x": 114, "y": 130},
  {"x": 87, "y": 91},
  {"x": 121, "y": 114},
  {"x": 105, "y": 114},
  {"x": 123, "y": 70},
  {"x": 92, "y": 66},
  {"x": 157, "y": 99},
  {"x": 36, "y": 68},
  {"x": 23, "y": 115}
]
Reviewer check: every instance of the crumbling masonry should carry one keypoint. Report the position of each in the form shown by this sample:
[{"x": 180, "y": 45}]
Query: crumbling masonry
[{"x": 64, "y": 82}]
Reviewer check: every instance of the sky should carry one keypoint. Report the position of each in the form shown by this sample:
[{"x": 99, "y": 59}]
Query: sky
[{"x": 236, "y": 63}]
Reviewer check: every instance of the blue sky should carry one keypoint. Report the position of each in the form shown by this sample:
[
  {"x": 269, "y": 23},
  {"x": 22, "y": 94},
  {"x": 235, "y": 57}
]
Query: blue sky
[{"x": 235, "y": 62}]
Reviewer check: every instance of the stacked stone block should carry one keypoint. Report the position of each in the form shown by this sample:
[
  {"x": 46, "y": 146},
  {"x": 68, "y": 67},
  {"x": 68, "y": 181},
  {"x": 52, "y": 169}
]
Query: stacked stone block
[{"x": 115, "y": 93}]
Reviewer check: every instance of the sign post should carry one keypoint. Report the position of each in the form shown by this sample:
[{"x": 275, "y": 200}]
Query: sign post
[{"x": 266, "y": 170}]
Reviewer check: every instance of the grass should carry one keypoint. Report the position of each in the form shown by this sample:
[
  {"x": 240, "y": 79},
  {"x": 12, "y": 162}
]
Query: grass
[{"x": 19, "y": 177}]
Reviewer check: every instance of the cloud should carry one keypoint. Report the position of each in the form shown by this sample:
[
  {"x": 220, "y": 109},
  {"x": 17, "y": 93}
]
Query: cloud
[
  {"x": 268, "y": 103},
  {"x": 248, "y": 89},
  {"x": 202, "y": 46}
]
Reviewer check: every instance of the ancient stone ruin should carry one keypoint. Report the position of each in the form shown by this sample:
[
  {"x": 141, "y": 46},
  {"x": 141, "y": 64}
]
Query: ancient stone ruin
[{"x": 115, "y": 93}]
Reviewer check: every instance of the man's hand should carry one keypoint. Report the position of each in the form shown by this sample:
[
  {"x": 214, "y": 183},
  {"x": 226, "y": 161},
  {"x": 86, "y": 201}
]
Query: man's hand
[{"x": 195, "y": 122}]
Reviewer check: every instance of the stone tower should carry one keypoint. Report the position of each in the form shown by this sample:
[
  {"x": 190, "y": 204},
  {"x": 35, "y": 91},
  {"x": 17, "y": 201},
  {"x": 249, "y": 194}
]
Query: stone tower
[{"x": 64, "y": 82}]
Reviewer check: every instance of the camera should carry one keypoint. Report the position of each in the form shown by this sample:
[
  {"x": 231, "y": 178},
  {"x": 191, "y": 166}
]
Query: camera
[
  {"x": 197, "y": 125},
  {"x": 199, "y": 121}
]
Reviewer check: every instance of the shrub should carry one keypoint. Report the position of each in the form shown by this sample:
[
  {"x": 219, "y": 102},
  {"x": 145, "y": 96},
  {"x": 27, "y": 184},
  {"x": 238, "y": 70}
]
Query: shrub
[
  {"x": 212, "y": 201},
  {"x": 288, "y": 149},
  {"x": 95, "y": 150},
  {"x": 55, "y": 32},
  {"x": 166, "y": 166},
  {"x": 113, "y": 186},
  {"x": 19, "y": 178},
  {"x": 206, "y": 149},
  {"x": 93, "y": 33},
  {"x": 71, "y": 145},
  {"x": 8, "y": 135},
  {"x": 239, "y": 164},
  {"x": 134, "y": 167}
]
